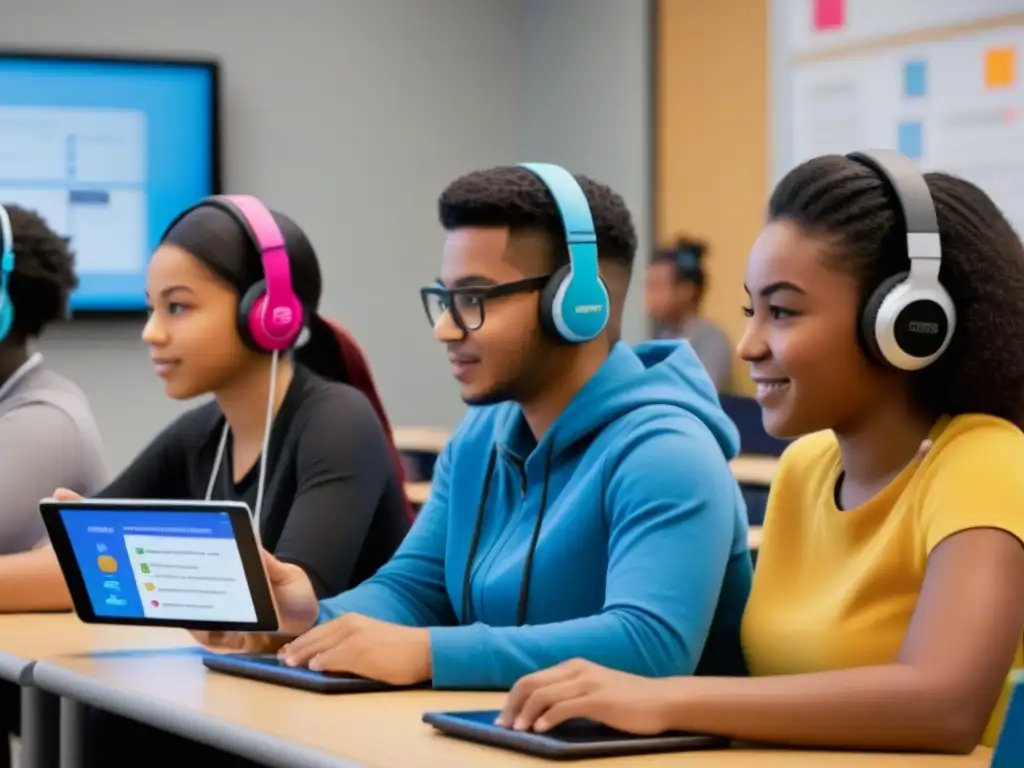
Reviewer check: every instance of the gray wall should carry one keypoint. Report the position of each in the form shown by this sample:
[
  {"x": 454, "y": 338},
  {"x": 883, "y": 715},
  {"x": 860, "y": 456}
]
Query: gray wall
[
  {"x": 586, "y": 105},
  {"x": 352, "y": 115}
]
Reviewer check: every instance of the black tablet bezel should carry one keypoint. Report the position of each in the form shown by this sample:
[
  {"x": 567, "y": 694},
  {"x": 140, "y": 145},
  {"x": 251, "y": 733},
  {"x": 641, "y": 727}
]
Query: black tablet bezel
[
  {"x": 245, "y": 538},
  {"x": 541, "y": 745}
]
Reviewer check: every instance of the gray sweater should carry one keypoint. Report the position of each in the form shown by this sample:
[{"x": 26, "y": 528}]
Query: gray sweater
[
  {"x": 712, "y": 347},
  {"x": 48, "y": 439}
]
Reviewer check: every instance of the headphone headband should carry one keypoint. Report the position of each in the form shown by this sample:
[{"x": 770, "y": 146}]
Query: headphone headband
[
  {"x": 574, "y": 306},
  {"x": 574, "y": 209},
  {"x": 266, "y": 235},
  {"x": 904, "y": 179}
]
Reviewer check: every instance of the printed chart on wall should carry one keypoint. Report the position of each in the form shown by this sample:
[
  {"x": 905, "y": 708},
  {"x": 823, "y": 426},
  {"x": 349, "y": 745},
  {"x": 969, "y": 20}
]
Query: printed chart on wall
[{"x": 939, "y": 85}]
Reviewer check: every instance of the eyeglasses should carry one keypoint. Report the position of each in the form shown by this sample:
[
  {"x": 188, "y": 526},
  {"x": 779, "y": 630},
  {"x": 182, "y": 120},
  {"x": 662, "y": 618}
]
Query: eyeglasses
[{"x": 466, "y": 305}]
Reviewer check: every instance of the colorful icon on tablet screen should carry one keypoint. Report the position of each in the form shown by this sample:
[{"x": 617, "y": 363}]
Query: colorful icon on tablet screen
[
  {"x": 140, "y": 551},
  {"x": 155, "y": 603},
  {"x": 106, "y": 564},
  {"x": 144, "y": 567},
  {"x": 150, "y": 587}
]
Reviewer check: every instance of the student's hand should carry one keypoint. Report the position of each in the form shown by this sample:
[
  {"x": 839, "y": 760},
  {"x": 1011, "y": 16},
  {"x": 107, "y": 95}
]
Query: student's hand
[
  {"x": 580, "y": 688},
  {"x": 297, "y": 609},
  {"x": 63, "y": 494},
  {"x": 363, "y": 646}
]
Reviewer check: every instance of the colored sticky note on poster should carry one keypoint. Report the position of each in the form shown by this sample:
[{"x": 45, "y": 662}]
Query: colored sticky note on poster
[
  {"x": 910, "y": 140},
  {"x": 1000, "y": 67},
  {"x": 915, "y": 78},
  {"x": 829, "y": 14}
]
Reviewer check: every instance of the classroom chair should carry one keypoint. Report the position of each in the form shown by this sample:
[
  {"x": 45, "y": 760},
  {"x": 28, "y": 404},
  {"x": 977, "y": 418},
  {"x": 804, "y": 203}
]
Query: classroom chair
[{"x": 746, "y": 415}]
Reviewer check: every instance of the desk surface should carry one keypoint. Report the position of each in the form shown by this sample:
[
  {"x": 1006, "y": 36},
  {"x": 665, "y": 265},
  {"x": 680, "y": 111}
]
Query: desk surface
[
  {"x": 426, "y": 439},
  {"x": 754, "y": 470},
  {"x": 171, "y": 689},
  {"x": 27, "y": 637}
]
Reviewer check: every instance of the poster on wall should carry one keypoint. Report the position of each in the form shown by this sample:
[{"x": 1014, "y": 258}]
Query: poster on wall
[{"x": 952, "y": 101}]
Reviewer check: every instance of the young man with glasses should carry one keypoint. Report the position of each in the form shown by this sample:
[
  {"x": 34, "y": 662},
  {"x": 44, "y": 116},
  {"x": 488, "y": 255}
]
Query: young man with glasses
[{"x": 583, "y": 508}]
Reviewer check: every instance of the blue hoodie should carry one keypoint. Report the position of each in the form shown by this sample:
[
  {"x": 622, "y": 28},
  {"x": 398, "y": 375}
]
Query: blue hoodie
[{"x": 641, "y": 561}]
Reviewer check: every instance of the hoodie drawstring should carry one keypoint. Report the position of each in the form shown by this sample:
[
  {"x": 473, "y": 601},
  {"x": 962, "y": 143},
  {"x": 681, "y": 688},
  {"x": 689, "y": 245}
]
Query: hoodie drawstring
[{"x": 524, "y": 589}]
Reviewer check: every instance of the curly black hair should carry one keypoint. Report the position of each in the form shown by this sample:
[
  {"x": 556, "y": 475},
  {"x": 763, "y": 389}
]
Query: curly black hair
[
  {"x": 513, "y": 197},
  {"x": 44, "y": 272},
  {"x": 982, "y": 370}
]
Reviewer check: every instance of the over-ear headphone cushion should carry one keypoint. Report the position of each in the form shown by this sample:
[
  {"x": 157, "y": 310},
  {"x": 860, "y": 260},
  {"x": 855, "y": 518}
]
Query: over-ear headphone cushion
[
  {"x": 870, "y": 314},
  {"x": 6, "y": 315},
  {"x": 548, "y": 295},
  {"x": 246, "y": 306}
]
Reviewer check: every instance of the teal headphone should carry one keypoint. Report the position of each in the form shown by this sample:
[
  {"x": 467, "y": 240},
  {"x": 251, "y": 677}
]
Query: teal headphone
[
  {"x": 574, "y": 304},
  {"x": 6, "y": 268}
]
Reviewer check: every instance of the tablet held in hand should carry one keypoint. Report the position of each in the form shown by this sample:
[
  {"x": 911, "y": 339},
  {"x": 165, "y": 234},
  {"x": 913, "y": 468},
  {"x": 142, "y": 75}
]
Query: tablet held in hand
[{"x": 192, "y": 565}]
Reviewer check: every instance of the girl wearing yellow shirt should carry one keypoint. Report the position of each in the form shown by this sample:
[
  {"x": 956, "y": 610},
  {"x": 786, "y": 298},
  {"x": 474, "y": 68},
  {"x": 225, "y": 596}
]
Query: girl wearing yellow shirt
[{"x": 887, "y": 608}]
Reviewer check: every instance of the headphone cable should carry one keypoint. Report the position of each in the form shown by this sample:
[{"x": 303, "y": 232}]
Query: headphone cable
[{"x": 222, "y": 446}]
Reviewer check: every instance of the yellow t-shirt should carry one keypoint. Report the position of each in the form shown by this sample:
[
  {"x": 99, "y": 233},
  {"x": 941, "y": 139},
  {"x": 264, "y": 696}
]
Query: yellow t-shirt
[{"x": 835, "y": 589}]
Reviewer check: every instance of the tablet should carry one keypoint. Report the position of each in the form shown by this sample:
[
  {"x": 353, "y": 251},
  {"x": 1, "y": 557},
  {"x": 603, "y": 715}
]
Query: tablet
[
  {"x": 573, "y": 740},
  {"x": 192, "y": 565},
  {"x": 268, "y": 668}
]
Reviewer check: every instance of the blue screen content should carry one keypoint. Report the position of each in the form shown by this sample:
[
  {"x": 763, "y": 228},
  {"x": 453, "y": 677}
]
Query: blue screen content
[
  {"x": 108, "y": 153},
  {"x": 160, "y": 565}
]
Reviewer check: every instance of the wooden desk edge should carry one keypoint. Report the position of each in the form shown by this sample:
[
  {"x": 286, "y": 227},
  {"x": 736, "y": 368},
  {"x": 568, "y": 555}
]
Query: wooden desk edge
[
  {"x": 754, "y": 470},
  {"x": 428, "y": 439}
]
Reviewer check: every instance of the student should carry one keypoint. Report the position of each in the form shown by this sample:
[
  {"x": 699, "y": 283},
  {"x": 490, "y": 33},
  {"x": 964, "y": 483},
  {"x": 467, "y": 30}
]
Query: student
[
  {"x": 310, "y": 453},
  {"x": 675, "y": 284},
  {"x": 584, "y": 506},
  {"x": 888, "y": 601},
  {"x": 48, "y": 436},
  {"x": 320, "y": 474}
]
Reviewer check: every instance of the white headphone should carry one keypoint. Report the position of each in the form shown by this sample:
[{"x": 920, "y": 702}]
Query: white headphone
[{"x": 909, "y": 319}]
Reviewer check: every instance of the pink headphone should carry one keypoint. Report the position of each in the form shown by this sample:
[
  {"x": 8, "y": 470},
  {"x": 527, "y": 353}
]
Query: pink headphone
[{"x": 270, "y": 315}]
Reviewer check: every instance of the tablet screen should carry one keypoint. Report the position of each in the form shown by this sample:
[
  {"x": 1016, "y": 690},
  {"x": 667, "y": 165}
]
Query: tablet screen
[{"x": 160, "y": 564}]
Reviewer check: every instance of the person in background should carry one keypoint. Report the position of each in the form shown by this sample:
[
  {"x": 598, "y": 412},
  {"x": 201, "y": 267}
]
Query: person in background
[
  {"x": 319, "y": 463},
  {"x": 674, "y": 290},
  {"x": 48, "y": 436},
  {"x": 888, "y": 601},
  {"x": 588, "y": 465}
]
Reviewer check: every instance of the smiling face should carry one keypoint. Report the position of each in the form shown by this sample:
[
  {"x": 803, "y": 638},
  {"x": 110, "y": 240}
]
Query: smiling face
[
  {"x": 191, "y": 332},
  {"x": 508, "y": 357},
  {"x": 801, "y": 336}
]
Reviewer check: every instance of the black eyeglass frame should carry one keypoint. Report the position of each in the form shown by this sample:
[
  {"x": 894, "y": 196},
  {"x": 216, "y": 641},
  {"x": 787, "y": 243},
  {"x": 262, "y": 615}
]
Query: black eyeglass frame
[{"x": 482, "y": 293}]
